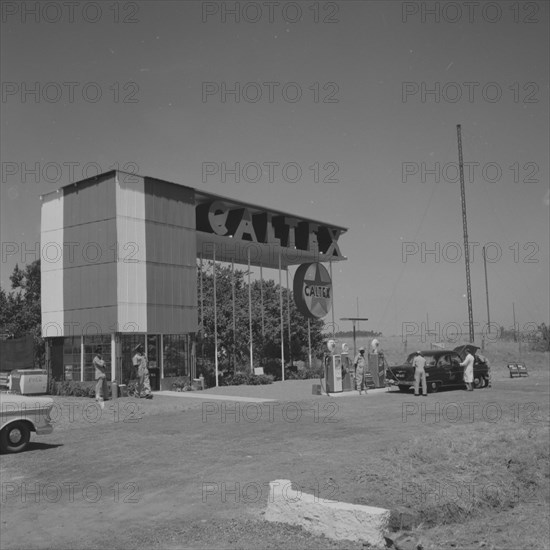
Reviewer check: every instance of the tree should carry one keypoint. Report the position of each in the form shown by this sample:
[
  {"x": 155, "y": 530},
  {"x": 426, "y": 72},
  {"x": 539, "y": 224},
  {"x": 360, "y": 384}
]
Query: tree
[
  {"x": 20, "y": 311},
  {"x": 266, "y": 336}
]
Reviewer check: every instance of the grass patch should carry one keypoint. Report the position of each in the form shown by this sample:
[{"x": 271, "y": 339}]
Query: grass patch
[{"x": 454, "y": 474}]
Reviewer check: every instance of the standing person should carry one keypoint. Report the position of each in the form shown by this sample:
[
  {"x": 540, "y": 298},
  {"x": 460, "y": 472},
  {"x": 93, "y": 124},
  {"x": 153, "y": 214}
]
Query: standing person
[
  {"x": 140, "y": 361},
  {"x": 100, "y": 376},
  {"x": 419, "y": 364},
  {"x": 360, "y": 364},
  {"x": 468, "y": 363}
]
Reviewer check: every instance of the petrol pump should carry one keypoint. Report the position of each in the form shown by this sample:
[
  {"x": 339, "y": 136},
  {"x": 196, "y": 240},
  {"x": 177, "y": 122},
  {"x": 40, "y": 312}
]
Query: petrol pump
[
  {"x": 333, "y": 369},
  {"x": 347, "y": 382}
]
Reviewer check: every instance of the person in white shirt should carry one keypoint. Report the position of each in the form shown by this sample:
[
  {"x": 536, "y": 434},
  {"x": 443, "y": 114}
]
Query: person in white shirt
[
  {"x": 360, "y": 364},
  {"x": 140, "y": 361},
  {"x": 100, "y": 376},
  {"x": 468, "y": 363},
  {"x": 419, "y": 374}
]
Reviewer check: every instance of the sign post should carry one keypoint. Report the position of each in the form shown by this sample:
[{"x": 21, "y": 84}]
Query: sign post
[{"x": 353, "y": 320}]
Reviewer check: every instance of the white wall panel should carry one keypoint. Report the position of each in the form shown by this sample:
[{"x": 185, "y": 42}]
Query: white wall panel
[
  {"x": 51, "y": 265},
  {"x": 131, "y": 265}
]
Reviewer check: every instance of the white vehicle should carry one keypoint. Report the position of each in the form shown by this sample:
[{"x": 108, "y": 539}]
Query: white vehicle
[{"x": 19, "y": 416}]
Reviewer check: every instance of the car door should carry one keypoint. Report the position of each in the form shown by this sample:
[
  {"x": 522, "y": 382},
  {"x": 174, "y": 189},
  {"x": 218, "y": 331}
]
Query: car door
[
  {"x": 434, "y": 374},
  {"x": 445, "y": 371},
  {"x": 457, "y": 372}
]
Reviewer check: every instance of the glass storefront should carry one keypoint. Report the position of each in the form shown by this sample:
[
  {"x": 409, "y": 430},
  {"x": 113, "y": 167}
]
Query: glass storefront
[
  {"x": 125, "y": 369},
  {"x": 168, "y": 356},
  {"x": 71, "y": 358},
  {"x": 73, "y": 369},
  {"x": 175, "y": 355},
  {"x": 90, "y": 345}
]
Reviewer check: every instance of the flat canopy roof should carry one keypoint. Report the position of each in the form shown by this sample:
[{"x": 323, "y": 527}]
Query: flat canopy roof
[
  {"x": 203, "y": 197},
  {"x": 229, "y": 229}
]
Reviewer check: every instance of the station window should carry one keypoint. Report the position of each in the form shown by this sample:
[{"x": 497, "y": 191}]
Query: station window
[
  {"x": 175, "y": 355},
  {"x": 71, "y": 358},
  {"x": 125, "y": 369},
  {"x": 90, "y": 344}
]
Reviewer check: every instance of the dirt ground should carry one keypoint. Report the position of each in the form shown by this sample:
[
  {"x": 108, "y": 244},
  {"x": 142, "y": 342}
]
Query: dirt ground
[{"x": 181, "y": 472}]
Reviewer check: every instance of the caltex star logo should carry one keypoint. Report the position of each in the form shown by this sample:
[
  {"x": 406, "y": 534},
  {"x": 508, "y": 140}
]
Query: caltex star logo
[{"x": 317, "y": 290}]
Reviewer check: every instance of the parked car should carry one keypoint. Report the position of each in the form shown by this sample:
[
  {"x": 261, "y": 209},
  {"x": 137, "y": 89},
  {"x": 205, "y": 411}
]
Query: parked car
[
  {"x": 443, "y": 369},
  {"x": 19, "y": 416}
]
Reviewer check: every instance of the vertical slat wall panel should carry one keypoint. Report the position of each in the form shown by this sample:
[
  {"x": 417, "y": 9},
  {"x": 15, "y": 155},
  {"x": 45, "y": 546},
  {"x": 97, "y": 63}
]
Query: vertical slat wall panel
[
  {"x": 132, "y": 259},
  {"x": 171, "y": 255},
  {"x": 131, "y": 265},
  {"x": 51, "y": 265},
  {"x": 89, "y": 296}
]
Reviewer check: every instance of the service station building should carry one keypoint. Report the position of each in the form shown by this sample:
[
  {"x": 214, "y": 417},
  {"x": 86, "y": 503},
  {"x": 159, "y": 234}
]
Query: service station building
[{"x": 119, "y": 267}]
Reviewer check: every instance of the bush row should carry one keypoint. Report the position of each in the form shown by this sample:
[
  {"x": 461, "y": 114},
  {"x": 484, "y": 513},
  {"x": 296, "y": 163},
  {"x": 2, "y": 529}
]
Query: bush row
[
  {"x": 72, "y": 388},
  {"x": 242, "y": 378},
  {"x": 87, "y": 389}
]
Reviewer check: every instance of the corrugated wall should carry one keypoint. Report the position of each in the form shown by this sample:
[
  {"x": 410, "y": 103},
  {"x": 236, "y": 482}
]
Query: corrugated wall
[
  {"x": 131, "y": 282},
  {"x": 128, "y": 261},
  {"x": 89, "y": 270},
  {"x": 171, "y": 258},
  {"x": 51, "y": 265}
]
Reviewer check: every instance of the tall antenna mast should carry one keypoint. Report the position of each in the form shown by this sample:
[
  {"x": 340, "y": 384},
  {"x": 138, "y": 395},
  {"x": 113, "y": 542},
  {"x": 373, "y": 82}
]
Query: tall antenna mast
[
  {"x": 465, "y": 228},
  {"x": 487, "y": 291}
]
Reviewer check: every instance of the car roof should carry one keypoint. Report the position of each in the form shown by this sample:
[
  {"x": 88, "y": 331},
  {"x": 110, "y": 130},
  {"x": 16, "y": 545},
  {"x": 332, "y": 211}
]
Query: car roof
[
  {"x": 432, "y": 352},
  {"x": 460, "y": 350}
]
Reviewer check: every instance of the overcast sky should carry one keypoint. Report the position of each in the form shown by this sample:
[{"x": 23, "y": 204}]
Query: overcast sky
[{"x": 362, "y": 97}]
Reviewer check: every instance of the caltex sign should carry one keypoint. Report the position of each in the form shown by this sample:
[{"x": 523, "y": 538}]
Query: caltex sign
[{"x": 313, "y": 290}]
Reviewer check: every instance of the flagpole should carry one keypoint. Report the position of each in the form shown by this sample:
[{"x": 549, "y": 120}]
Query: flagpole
[
  {"x": 250, "y": 315},
  {"x": 282, "y": 324},
  {"x": 215, "y": 318}
]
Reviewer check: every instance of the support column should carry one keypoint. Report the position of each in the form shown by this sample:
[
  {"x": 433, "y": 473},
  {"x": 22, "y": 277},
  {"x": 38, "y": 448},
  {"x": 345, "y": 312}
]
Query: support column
[
  {"x": 193, "y": 355},
  {"x": 282, "y": 324},
  {"x": 201, "y": 310},
  {"x": 234, "y": 322},
  {"x": 332, "y": 301},
  {"x": 309, "y": 340},
  {"x": 288, "y": 317},
  {"x": 82, "y": 358},
  {"x": 201, "y": 298},
  {"x": 262, "y": 301},
  {"x": 113, "y": 357},
  {"x": 160, "y": 354},
  {"x": 215, "y": 317},
  {"x": 250, "y": 316}
]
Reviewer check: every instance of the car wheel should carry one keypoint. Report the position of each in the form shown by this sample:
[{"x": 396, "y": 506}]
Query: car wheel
[
  {"x": 433, "y": 387},
  {"x": 403, "y": 389},
  {"x": 15, "y": 437},
  {"x": 479, "y": 382}
]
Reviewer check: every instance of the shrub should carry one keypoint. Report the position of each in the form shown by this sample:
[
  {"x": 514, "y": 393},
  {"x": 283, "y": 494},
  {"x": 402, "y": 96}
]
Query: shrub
[
  {"x": 72, "y": 388},
  {"x": 180, "y": 383},
  {"x": 294, "y": 375},
  {"x": 260, "y": 380},
  {"x": 208, "y": 370},
  {"x": 184, "y": 384},
  {"x": 243, "y": 378},
  {"x": 305, "y": 373},
  {"x": 272, "y": 367},
  {"x": 315, "y": 371},
  {"x": 238, "y": 379}
]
